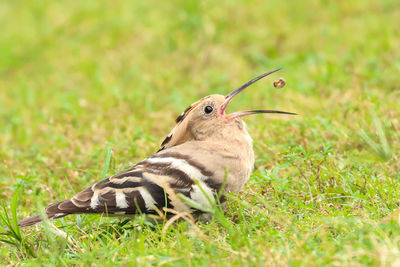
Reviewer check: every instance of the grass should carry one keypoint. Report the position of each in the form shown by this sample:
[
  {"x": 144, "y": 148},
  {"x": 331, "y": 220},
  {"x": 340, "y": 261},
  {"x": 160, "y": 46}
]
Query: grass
[{"x": 78, "y": 80}]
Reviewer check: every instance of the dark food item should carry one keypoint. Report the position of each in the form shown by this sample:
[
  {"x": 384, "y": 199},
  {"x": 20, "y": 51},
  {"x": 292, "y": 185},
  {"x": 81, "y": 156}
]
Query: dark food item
[{"x": 279, "y": 83}]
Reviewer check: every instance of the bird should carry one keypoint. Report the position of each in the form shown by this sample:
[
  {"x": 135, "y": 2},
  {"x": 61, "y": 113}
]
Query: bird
[{"x": 207, "y": 150}]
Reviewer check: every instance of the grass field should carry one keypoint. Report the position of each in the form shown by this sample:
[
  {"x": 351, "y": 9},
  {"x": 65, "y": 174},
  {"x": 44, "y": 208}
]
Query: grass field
[{"x": 80, "y": 78}]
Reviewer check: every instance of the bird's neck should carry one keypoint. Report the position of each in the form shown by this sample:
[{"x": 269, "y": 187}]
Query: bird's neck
[
  {"x": 236, "y": 144},
  {"x": 234, "y": 140}
]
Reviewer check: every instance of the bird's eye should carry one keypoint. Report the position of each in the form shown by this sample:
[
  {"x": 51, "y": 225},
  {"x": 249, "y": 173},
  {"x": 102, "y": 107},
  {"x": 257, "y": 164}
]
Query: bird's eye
[{"x": 208, "y": 109}]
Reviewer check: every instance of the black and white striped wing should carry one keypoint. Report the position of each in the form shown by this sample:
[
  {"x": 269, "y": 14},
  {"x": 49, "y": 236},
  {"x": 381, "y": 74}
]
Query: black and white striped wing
[{"x": 149, "y": 185}]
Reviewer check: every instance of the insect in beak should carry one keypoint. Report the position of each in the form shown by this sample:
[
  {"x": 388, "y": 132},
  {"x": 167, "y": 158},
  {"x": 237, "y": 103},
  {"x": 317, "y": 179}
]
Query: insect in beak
[{"x": 231, "y": 95}]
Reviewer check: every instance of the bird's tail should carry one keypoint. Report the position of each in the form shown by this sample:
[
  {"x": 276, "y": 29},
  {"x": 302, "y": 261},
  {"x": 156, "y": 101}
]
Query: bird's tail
[
  {"x": 52, "y": 212},
  {"x": 29, "y": 221}
]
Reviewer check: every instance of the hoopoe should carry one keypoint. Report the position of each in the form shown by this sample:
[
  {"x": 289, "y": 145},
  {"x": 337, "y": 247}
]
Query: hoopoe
[{"x": 206, "y": 149}]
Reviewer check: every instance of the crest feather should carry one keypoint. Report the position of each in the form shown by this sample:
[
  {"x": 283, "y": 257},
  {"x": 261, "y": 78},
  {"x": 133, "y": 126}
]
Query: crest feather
[{"x": 178, "y": 135}]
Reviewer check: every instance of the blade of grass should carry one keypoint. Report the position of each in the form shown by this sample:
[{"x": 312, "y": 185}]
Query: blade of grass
[
  {"x": 107, "y": 164},
  {"x": 14, "y": 205},
  {"x": 13, "y": 230}
]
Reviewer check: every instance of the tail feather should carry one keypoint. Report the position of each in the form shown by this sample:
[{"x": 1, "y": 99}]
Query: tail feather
[
  {"x": 29, "y": 221},
  {"x": 52, "y": 212}
]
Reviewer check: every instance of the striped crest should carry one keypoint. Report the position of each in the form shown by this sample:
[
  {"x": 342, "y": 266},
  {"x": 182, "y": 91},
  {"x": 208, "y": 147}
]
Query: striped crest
[{"x": 172, "y": 138}]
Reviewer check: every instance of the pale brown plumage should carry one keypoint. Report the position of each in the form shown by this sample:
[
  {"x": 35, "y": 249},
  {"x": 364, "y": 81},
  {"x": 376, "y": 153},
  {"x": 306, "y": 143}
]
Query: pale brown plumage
[{"x": 193, "y": 161}]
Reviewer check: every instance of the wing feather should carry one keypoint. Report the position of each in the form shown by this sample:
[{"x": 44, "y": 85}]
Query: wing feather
[{"x": 152, "y": 183}]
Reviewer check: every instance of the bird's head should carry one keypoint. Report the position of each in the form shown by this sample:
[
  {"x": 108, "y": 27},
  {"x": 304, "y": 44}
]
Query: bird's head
[{"x": 207, "y": 118}]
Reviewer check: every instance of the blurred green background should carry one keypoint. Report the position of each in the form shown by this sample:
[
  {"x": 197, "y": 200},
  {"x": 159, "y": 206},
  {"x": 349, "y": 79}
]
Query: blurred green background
[{"x": 79, "y": 76}]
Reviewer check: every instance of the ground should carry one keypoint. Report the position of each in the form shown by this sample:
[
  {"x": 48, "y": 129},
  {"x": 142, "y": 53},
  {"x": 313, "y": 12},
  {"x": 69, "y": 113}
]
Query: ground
[{"x": 81, "y": 79}]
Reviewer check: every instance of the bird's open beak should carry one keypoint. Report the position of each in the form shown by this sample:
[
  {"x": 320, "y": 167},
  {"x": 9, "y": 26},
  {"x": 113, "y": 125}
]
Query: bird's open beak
[{"x": 231, "y": 95}]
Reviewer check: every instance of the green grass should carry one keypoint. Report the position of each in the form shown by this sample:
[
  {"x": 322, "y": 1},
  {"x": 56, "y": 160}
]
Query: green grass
[{"x": 80, "y": 78}]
